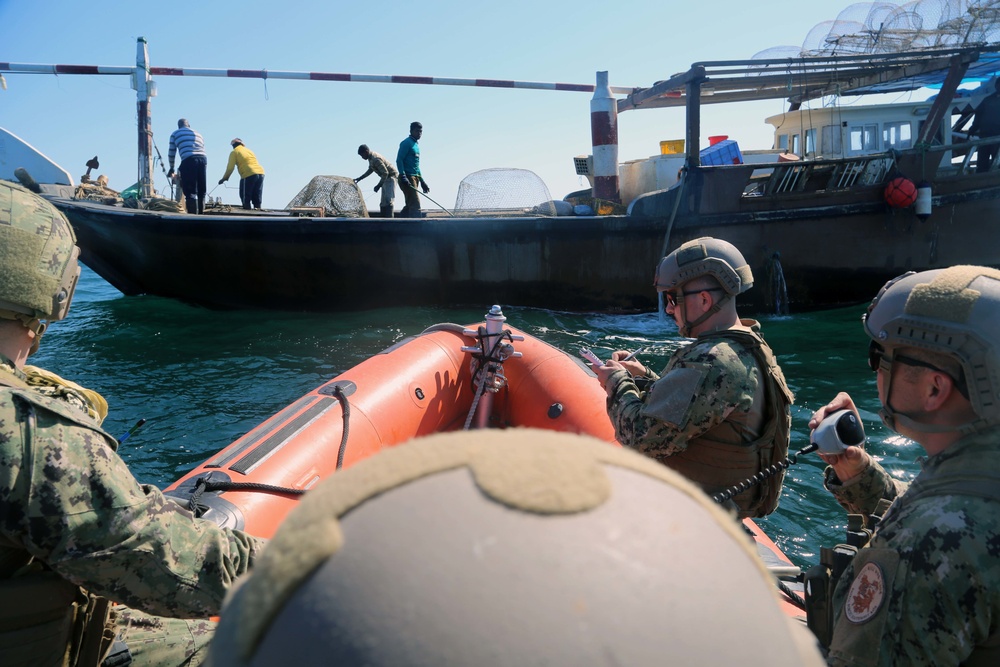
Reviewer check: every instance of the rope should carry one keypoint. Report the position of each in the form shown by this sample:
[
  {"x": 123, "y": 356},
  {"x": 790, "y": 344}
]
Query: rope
[
  {"x": 204, "y": 485},
  {"x": 345, "y": 408},
  {"x": 483, "y": 358}
]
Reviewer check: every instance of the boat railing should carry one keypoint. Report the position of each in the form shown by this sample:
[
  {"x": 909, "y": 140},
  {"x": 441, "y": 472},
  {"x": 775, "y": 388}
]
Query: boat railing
[{"x": 808, "y": 176}]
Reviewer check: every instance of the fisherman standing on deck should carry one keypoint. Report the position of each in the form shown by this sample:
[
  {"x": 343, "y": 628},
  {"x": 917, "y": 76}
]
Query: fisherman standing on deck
[
  {"x": 721, "y": 411},
  {"x": 250, "y": 171},
  {"x": 386, "y": 173},
  {"x": 926, "y": 588},
  {"x": 408, "y": 165},
  {"x": 76, "y": 529},
  {"x": 987, "y": 124},
  {"x": 194, "y": 165}
]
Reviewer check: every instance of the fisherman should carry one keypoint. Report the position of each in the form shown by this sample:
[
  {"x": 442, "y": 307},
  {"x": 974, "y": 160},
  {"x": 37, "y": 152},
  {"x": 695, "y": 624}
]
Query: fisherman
[
  {"x": 250, "y": 171},
  {"x": 926, "y": 588},
  {"x": 76, "y": 529},
  {"x": 721, "y": 412},
  {"x": 408, "y": 166},
  {"x": 508, "y": 547},
  {"x": 194, "y": 165},
  {"x": 386, "y": 173},
  {"x": 987, "y": 124}
]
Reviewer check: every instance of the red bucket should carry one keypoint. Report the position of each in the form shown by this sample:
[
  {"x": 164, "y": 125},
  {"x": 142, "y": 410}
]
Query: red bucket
[{"x": 717, "y": 138}]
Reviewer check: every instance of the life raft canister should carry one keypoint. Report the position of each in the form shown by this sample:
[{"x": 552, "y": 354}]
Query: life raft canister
[{"x": 900, "y": 192}]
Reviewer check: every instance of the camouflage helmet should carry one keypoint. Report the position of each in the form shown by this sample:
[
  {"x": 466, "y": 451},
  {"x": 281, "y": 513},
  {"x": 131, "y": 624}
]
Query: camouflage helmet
[
  {"x": 953, "y": 311},
  {"x": 38, "y": 257},
  {"x": 508, "y": 547},
  {"x": 705, "y": 256}
]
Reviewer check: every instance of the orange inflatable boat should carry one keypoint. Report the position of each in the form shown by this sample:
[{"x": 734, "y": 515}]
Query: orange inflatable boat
[{"x": 449, "y": 377}]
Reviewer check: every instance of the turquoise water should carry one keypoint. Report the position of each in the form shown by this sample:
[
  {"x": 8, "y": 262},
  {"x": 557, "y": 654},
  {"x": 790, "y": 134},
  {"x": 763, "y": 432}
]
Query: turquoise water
[{"x": 203, "y": 378}]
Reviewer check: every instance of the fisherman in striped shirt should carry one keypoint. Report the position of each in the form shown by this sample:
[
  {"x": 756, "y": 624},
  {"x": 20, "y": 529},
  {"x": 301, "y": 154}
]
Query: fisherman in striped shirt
[{"x": 194, "y": 165}]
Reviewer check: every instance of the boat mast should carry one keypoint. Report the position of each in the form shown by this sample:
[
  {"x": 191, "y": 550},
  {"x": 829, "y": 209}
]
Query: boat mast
[{"x": 144, "y": 90}]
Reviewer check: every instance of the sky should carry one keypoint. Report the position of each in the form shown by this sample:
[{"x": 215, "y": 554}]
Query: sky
[{"x": 300, "y": 129}]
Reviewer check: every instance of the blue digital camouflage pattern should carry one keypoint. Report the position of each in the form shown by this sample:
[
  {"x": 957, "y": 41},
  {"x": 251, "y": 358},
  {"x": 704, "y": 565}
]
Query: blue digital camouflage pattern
[{"x": 926, "y": 591}]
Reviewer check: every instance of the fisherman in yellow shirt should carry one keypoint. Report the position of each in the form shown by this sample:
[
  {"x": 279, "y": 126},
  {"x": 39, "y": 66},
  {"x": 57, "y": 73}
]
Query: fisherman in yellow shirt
[{"x": 251, "y": 174}]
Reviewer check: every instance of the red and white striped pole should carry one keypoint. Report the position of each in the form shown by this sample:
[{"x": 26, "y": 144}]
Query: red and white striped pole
[
  {"x": 604, "y": 137},
  {"x": 34, "y": 68}
]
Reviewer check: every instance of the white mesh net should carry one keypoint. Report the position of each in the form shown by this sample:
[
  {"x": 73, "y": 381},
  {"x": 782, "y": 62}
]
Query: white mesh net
[
  {"x": 889, "y": 27},
  {"x": 339, "y": 196},
  {"x": 502, "y": 191}
]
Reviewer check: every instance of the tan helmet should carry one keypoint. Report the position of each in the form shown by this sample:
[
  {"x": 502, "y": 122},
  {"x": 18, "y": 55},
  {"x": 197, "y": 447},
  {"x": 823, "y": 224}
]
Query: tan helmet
[
  {"x": 508, "y": 547},
  {"x": 953, "y": 311},
  {"x": 705, "y": 256},
  {"x": 38, "y": 258}
]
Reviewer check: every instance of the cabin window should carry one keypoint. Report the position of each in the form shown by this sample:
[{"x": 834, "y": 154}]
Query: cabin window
[
  {"x": 863, "y": 139},
  {"x": 811, "y": 141},
  {"x": 796, "y": 145},
  {"x": 897, "y": 135},
  {"x": 830, "y": 139},
  {"x": 782, "y": 143}
]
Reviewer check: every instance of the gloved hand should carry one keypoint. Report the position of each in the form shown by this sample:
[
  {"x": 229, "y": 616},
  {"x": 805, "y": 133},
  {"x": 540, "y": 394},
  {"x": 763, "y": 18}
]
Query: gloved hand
[
  {"x": 377, "y": 186},
  {"x": 424, "y": 185},
  {"x": 221, "y": 181},
  {"x": 170, "y": 174},
  {"x": 405, "y": 180}
]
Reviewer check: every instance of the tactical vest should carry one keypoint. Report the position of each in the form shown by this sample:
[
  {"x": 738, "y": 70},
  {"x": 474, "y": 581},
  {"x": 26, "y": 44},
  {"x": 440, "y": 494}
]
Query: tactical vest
[
  {"x": 718, "y": 465},
  {"x": 835, "y": 561},
  {"x": 45, "y": 619}
]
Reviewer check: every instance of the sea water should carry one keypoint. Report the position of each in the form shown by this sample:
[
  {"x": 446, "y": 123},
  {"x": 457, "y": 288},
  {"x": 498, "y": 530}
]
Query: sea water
[{"x": 203, "y": 378}]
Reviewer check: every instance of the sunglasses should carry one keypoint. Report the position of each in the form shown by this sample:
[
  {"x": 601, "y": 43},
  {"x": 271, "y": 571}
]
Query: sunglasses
[
  {"x": 671, "y": 297},
  {"x": 876, "y": 353}
]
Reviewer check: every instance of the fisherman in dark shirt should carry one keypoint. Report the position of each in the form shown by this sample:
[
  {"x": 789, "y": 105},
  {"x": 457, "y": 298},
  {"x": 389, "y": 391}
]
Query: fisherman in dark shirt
[{"x": 987, "y": 124}]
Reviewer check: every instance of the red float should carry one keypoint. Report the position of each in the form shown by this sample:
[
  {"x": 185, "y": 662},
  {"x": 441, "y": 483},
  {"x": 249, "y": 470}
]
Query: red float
[{"x": 900, "y": 192}]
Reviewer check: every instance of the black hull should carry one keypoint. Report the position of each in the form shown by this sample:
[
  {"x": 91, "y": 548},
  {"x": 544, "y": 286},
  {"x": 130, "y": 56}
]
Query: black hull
[{"x": 830, "y": 255}]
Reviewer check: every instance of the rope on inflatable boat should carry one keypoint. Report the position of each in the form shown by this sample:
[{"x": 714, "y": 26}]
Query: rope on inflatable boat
[
  {"x": 483, "y": 359},
  {"x": 204, "y": 485},
  {"x": 345, "y": 409}
]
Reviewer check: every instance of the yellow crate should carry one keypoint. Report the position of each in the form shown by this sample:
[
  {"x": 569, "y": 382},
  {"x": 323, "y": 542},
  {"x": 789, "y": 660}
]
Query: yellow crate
[{"x": 672, "y": 147}]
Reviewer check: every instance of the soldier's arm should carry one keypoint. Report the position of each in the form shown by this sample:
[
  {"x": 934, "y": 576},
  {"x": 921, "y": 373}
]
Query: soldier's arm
[
  {"x": 85, "y": 515},
  {"x": 695, "y": 395},
  {"x": 862, "y": 493}
]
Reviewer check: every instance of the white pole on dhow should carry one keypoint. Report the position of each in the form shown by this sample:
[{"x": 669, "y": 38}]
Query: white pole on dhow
[
  {"x": 604, "y": 137},
  {"x": 144, "y": 90}
]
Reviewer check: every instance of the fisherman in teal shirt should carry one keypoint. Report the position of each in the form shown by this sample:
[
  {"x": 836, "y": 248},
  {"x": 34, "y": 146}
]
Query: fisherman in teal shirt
[{"x": 408, "y": 165}]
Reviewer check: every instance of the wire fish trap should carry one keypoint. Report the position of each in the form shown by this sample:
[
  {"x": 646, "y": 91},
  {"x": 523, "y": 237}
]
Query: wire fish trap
[{"x": 338, "y": 196}]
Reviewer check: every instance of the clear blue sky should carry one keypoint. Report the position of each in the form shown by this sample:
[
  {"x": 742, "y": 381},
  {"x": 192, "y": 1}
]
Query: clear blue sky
[{"x": 299, "y": 129}]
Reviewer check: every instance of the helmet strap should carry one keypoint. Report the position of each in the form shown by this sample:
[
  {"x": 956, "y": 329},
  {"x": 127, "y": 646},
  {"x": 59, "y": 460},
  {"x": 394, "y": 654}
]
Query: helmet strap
[
  {"x": 688, "y": 326},
  {"x": 891, "y": 418}
]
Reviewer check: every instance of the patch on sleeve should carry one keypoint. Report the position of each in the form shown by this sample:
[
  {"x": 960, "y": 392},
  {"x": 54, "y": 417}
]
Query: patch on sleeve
[
  {"x": 866, "y": 595},
  {"x": 671, "y": 396}
]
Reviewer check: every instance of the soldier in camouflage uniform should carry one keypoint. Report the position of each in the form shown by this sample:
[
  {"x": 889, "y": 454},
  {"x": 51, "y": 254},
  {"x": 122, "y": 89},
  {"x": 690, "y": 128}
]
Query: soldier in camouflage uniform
[
  {"x": 76, "y": 529},
  {"x": 926, "y": 588},
  {"x": 721, "y": 411}
]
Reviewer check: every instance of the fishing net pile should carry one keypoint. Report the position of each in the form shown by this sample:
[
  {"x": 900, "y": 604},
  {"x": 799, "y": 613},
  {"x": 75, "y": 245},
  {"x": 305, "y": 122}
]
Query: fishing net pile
[
  {"x": 503, "y": 192},
  {"x": 882, "y": 27},
  {"x": 97, "y": 190},
  {"x": 338, "y": 196}
]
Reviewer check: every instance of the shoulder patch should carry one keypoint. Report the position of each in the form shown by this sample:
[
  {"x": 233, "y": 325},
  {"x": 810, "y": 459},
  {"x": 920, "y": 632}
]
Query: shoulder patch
[
  {"x": 670, "y": 397},
  {"x": 866, "y": 595}
]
